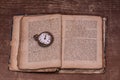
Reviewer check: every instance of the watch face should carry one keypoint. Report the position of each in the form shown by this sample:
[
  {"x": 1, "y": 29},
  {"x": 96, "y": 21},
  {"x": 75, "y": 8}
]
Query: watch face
[{"x": 44, "y": 39}]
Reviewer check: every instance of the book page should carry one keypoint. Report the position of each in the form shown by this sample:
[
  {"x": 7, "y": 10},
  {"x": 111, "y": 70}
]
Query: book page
[
  {"x": 15, "y": 43},
  {"x": 15, "y": 46},
  {"x": 81, "y": 42},
  {"x": 33, "y": 56}
]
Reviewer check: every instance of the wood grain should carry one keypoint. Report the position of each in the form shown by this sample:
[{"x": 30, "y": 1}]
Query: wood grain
[{"x": 106, "y": 8}]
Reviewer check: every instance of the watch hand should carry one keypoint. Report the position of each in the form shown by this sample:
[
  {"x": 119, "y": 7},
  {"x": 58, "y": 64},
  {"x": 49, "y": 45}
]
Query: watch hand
[{"x": 45, "y": 37}]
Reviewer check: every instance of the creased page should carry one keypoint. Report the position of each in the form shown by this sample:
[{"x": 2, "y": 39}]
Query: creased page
[
  {"x": 15, "y": 43},
  {"x": 81, "y": 42},
  {"x": 33, "y": 56}
]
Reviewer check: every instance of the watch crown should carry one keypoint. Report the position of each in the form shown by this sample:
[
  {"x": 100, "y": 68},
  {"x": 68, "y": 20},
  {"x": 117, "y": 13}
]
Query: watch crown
[{"x": 36, "y": 37}]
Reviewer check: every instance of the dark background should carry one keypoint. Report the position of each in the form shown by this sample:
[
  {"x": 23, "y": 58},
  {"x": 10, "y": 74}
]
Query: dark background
[{"x": 105, "y": 8}]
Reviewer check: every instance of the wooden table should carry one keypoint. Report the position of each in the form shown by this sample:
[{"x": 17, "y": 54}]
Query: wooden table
[{"x": 106, "y": 8}]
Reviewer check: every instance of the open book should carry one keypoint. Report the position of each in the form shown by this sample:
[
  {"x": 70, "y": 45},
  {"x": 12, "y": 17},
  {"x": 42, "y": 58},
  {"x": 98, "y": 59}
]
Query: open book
[{"x": 76, "y": 44}]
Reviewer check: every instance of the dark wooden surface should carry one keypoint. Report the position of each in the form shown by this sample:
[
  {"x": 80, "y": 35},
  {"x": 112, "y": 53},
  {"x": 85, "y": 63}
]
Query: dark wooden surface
[{"x": 107, "y": 8}]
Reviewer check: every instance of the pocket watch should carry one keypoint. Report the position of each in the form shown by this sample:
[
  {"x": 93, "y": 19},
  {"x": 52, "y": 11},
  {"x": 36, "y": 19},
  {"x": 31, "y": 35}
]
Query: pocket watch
[{"x": 44, "y": 39}]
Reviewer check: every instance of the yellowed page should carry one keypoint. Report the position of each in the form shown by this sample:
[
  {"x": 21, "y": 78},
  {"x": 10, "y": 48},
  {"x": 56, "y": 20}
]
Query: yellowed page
[
  {"x": 14, "y": 48},
  {"x": 15, "y": 43},
  {"x": 81, "y": 42},
  {"x": 31, "y": 55}
]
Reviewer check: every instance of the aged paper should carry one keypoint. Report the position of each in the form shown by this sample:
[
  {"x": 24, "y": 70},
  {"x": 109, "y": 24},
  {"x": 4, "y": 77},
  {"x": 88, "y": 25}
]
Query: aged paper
[
  {"x": 15, "y": 43},
  {"x": 15, "y": 46},
  {"x": 31, "y": 55},
  {"x": 81, "y": 42}
]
